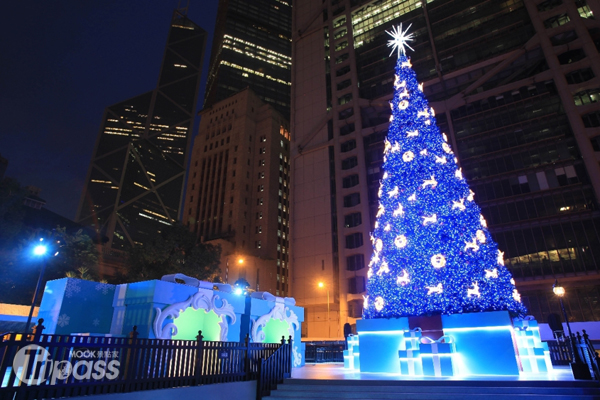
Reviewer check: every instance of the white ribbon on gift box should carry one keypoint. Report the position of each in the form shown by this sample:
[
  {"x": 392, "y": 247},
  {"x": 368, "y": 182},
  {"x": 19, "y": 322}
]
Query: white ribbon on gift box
[
  {"x": 411, "y": 366},
  {"x": 409, "y": 353},
  {"x": 413, "y": 332}
]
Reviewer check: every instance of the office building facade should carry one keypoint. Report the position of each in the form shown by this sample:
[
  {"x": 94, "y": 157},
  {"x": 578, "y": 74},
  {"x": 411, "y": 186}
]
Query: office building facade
[
  {"x": 135, "y": 180},
  {"x": 252, "y": 48},
  {"x": 515, "y": 86},
  {"x": 237, "y": 193}
]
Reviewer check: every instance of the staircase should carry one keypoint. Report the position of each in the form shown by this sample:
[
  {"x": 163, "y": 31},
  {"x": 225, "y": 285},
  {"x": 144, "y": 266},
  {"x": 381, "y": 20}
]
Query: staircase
[{"x": 292, "y": 389}]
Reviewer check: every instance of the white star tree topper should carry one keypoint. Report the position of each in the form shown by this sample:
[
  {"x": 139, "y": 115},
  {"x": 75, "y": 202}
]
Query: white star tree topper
[{"x": 400, "y": 39}]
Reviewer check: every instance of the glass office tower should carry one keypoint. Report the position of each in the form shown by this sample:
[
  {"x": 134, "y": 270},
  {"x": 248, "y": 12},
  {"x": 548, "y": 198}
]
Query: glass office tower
[
  {"x": 135, "y": 180},
  {"x": 252, "y": 48}
]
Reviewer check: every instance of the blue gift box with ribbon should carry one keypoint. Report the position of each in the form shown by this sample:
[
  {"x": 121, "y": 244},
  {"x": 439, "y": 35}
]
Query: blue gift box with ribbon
[
  {"x": 412, "y": 338},
  {"x": 410, "y": 362},
  {"x": 437, "y": 356},
  {"x": 526, "y": 322},
  {"x": 351, "y": 356},
  {"x": 533, "y": 364},
  {"x": 526, "y": 338}
]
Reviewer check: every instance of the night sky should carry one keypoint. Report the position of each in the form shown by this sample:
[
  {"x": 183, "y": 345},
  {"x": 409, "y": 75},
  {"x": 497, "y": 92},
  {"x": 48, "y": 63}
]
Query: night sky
[{"x": 61, "y": 64}]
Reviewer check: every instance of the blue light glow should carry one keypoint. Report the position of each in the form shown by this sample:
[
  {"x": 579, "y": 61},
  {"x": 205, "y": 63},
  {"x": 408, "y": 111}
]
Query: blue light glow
[
  {"x": 39, "y": 250},
  {"x": 238, "y": 291},
  {"x": 432, "y": 251},
  {"x": 478, "y": 328}
]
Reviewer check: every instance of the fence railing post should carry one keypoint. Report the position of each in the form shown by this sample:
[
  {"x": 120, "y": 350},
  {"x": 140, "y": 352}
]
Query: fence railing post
[
  {"x": 259, "y": 380},
  {"x": 130, "y": 362},
  {"x": 290, "y": 355},
  {"x": 247, "y": 357},
  {"x": 199, "y": 358}
]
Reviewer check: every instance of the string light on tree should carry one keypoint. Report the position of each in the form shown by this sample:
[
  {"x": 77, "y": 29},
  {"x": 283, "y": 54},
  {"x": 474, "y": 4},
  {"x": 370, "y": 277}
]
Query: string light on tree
[{"x": 432, "y": 251}]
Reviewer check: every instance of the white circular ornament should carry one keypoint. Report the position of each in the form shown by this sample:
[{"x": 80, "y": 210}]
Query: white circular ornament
[
  {"x": 400, "y": 241},
  {"x": 438, "y": 261},
  {"x": 378, "y": 245},
  {"x": 408, "y": 156},
  {"x": 403, "y": 105}
]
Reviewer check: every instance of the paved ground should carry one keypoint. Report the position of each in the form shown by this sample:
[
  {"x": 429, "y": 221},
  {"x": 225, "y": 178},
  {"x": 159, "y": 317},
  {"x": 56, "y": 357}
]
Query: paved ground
[{"x": 337, "y": 371}]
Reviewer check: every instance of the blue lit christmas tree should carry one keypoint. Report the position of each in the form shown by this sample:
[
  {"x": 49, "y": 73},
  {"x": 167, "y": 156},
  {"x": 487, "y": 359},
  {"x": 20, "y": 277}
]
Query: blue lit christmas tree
[{"x": 432, "y": 252}]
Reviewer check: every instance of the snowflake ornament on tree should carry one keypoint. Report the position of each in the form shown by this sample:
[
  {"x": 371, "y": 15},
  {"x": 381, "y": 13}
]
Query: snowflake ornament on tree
[{"x": 432, "y": 252}]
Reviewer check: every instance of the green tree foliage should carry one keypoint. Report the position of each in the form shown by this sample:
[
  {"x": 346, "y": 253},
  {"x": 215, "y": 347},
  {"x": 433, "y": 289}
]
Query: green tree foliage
[
  {"x": 77, "y": 254},
  {"x": 173, "y": 250}
]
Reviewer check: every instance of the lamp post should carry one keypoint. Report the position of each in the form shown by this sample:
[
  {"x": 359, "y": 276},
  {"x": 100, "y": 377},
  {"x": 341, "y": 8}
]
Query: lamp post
[
  {"x": 39, "y": 250},
  {"x": 579, "y": 368},
  {"x": 242, "y": 270},
  {"x": 321, "y": 285}
]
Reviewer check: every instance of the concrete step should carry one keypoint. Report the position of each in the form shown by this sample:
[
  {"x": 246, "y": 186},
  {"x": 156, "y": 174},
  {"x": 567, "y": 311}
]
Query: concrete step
[
  {"x": 293, "y": 389},
  {"x": 426, "y": 396}
]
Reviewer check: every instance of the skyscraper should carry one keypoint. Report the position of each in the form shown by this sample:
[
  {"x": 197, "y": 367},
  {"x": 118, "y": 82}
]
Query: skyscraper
[
  {"x": 238, "y": 190},
  {"x": 515, "y": 87},
  {"x": 135, "y": 180},
  {"x": 252, "y": 48}
]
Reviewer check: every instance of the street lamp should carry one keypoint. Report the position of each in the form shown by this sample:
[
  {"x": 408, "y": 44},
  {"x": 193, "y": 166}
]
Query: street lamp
[
  {"x": 39, "y": 251},
  {"x": 579, "y": 368},
  {"x": 322, "y": 285},
  {"x": 240, "y": 262}
]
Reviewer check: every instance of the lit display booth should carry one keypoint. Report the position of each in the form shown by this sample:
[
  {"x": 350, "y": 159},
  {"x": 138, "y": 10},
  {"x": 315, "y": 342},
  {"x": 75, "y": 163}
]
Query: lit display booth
[{"x": 175, "y": 307}]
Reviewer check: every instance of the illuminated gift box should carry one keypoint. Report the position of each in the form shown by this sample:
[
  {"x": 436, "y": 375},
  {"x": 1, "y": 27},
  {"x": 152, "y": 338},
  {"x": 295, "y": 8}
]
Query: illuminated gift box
[
  {"x": 531, "y": 351},
  {"x": 437, "y": 356},
  {"x": 412, "y": 338},
  {"x": 410, "y": 362},
  {"x": 527, "y": 322},
  {"x": 348, "y": 362},
  {"x": 526, "y": 338},
  {"x": 485, "y": 342},
  {"x": 533, "y": 363},
  {"x": 352, "y": 342},
  {"x": 351, "y": 356},
  {"x": 380, "y": 340}
]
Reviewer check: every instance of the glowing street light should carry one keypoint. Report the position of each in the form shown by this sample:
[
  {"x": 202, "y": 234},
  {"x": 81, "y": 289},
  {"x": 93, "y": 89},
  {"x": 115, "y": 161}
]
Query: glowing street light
[
  {"x": 579, "y": 368},
  {"x": 242, "y": 270},
  {"x": 322, "y": 285},
  {"x": 39, "y": 250}
]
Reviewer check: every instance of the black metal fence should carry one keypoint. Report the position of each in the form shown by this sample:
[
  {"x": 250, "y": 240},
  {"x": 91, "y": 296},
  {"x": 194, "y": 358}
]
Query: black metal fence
[
  {"x": 325, "y": 352},
  {"x": 52, "y": 366},
  {"x": 560, "y": 352},
  {"x": 273, "y": 370}
]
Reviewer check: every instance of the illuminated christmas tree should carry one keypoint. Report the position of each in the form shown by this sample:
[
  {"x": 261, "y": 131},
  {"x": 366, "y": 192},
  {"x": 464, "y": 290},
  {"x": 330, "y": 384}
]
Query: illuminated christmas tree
[{"x": 432, "y": 252}]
